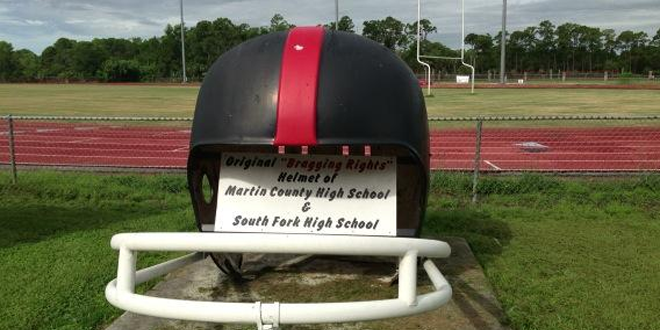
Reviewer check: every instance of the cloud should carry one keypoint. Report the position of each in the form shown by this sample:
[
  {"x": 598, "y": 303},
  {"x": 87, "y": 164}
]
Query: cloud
[{"x": 35, "y": 24}]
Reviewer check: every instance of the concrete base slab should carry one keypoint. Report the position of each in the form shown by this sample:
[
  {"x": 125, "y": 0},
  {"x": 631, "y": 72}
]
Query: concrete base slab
[{"x": 288, "y": 278}]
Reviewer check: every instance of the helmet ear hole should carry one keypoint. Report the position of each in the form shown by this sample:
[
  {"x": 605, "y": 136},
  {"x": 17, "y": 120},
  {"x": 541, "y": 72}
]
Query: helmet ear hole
[{"x": 207, "y": 192}]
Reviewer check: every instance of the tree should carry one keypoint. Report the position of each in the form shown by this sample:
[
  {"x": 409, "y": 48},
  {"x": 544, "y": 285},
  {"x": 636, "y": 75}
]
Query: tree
[
  {"x": 27, "y": 65},
  {"x": 114, "y": 70},
  {"x": 483, "y": 50},
  {"x": 654, "y": 53},
  {"x": 656, "y": 39},
  {"x": 608, "y": 39},
  {"x": 345, "y": 24},
  {"x": 630, "y": 44},
  {"x": 278, "y": 23},
  {"x": 591, "y": 42},
  {"x": 515, "y": 48},
  {"x": 481, "y": 43},
  {"x": 546, "y": 45},
  {"x": 117, "y": 48},
  {"x": 56, "y": 59},
  {"x": 389, "y": 32},
  {"x": 169, "y": 52},
  {"x": 543, "y": 47},
  {"x": 426, "y": 28},
  {"x": 7, "y": 61},
  {"x": 86, "y": 60},
  {"x": 567, "y": 44}
]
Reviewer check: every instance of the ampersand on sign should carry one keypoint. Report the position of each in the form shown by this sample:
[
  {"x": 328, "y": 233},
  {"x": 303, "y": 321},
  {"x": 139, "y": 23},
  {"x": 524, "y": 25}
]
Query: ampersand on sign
[{"x": 306, "y": 207}]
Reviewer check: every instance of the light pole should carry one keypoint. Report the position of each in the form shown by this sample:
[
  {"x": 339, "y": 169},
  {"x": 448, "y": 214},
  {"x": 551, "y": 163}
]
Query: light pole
[
  {"x": 336, "y": 15},
  {"x": 183, "y": 45},
  {"x": 503, "y": 45}
]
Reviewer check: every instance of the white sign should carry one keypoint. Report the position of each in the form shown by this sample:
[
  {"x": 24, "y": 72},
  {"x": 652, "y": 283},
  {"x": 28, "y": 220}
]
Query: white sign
[
  {"x": 312, "y": 194},
  {"x": 462, "y": 79}
]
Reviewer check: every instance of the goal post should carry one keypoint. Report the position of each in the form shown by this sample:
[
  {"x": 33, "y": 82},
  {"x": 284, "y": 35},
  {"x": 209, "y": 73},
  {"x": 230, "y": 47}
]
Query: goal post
[{"x": 461, "y": 58}]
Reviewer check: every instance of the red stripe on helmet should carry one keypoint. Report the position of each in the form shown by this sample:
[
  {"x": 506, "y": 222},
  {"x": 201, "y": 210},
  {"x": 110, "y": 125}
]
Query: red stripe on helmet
[{"x": 296, "y": 108}]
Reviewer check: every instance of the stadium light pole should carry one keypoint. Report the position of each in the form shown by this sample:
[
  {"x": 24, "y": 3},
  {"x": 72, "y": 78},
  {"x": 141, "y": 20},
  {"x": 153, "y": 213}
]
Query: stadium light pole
[
  {"x": 336, "y": 15},
  {"x": 183, "y": 45},
  {"x": 503, "y": 45}
]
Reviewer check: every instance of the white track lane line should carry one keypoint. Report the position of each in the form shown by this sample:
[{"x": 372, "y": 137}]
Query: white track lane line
[
  {"x": 47, "y": 130},
  {"x": 15, "y": 132},
  {"x": 84, "y": 140},
  {"x": 493, "y": 165}
]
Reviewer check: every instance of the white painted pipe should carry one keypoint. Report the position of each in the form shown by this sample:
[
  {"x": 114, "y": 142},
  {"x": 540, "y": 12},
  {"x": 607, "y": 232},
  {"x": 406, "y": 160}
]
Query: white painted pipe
[
  {"x": 463, "y": 43},
  {"x": 419, "y": 59},
  {"x": 408, "y": 278},
  {"x": 120, "y": 292},
  {"x": 126, "y": 270},
  {"x": 461, "y": 58},
  {"x": 148, "y": 273},
  {"x": 282, "y": 243}
]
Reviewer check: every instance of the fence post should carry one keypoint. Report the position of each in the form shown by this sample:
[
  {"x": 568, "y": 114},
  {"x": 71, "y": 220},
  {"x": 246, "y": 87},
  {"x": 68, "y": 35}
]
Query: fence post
[
  {"x": 12, "y": 153},
  {"x": 606, "y": 77},
  {"x": 563, "y": 76},
  {"x": 477, "y": 161}
]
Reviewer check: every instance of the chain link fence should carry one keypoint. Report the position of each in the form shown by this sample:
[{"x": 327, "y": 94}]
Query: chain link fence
[
  {"x": 547, "y": 144},
  {"x": 95, "y": 142},
  {"x": 570, "y": 144},
  {"x": 556, "y": 77}
]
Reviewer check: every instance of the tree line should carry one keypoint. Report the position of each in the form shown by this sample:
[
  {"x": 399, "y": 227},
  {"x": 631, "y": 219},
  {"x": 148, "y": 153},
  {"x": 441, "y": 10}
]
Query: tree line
[{"x": 567, "y": 47}]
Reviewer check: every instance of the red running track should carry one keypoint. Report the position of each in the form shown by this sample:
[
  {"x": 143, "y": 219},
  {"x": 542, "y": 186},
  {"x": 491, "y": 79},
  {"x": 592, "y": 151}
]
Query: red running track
[{"x": 634, "y": 148}]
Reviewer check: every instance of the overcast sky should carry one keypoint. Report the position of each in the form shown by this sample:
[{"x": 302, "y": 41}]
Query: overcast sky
[{"x": 35, "y": 24}]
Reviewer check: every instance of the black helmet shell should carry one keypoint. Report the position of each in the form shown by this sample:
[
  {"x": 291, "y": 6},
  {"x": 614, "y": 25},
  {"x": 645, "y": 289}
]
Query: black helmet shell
[{"x": 365, "y": 96}]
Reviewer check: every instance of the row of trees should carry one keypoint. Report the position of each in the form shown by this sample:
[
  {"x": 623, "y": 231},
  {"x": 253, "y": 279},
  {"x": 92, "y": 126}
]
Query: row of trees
[
  {"x": 567, "y": 47},
  {"x": 570, "y": 47}
]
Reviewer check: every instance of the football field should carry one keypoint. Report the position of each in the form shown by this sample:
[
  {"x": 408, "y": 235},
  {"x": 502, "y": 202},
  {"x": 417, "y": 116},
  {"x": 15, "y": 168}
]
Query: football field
[
  {"x": 179, "y": 101},
  {"x": 566, "y": 145},
  {"x": 541, "y": 240}
]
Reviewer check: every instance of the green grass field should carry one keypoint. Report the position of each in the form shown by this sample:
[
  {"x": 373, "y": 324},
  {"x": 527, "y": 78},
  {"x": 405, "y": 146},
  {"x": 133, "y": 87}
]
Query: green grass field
[
  {"x": 175, "y": 101},
  {"x": 98, "y": 100},
  {"x": 543, "y": 102},
  {"x": 55, "y": 230},
  {"x": 560, "y": 253}
]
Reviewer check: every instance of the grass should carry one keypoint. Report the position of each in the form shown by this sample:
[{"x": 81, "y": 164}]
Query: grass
[
  {"x": 579, "y": 253},
  {"x": 179, "y": 101},
  {"x": 55, "y": 230},
  {"x": 542, "y": 102},
  {"x": 98, "y": 100},
  {"x": 561, "y": 253}
]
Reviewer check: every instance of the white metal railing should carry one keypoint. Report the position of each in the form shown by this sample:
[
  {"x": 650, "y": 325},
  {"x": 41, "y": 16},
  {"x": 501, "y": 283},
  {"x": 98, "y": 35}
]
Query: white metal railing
[{"x": 121, "y": 291}]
